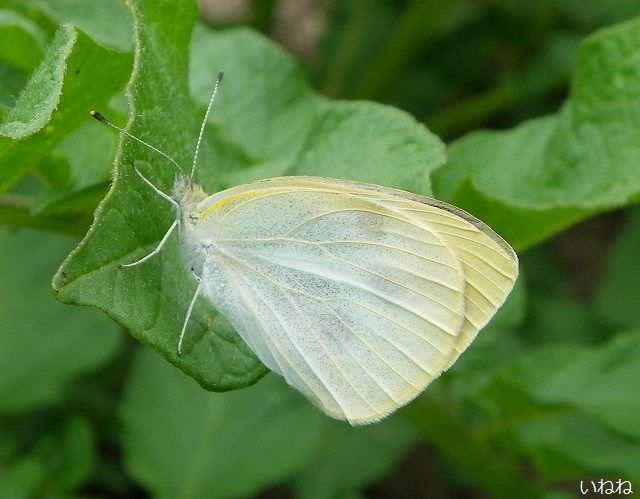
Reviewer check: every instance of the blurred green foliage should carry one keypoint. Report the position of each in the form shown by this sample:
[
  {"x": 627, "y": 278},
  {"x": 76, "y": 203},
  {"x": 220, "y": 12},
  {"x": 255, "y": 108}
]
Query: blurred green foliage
[{"x": 545, "y": 397}]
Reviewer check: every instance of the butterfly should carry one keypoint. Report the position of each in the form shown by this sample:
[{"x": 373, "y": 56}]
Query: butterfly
[{"x": 358, "y": 295}]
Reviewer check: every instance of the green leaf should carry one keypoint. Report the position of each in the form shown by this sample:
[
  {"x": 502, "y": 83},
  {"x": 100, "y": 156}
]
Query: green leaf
[
  {"x": 21, "y": 479},
  {"x": 68, "y": 452},
  {"x": 267, "y": 122},
  {"x": 75, "y": 76},
  {"x": 616, "y": 300},
  {"x": 44, "y": 344},
  {"x": 476, "y": 459},
  {"x": 598, "y": 381},
  {"x": 21, "y": 40},
  {"x": 52, "y": 464},
  {"x": 532, "y": 181},
  {"x": 87, "y": 154},
  {"x": 267, "y": 110},
  {"x": 90, "y": 17},
  {"x": 566, "y": 446},
  {"x": 213, "y": 445},
  {"x": 151, "y": 300},
  {"x": 352, "y": 458},
  {"x": 542, "y": 404},
  {"x": 17, "y": 211},
  {"x": 561, "y": 442}
]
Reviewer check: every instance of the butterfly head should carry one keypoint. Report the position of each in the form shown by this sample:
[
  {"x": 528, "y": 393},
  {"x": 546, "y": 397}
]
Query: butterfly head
[{"x": 186, "y": 192}]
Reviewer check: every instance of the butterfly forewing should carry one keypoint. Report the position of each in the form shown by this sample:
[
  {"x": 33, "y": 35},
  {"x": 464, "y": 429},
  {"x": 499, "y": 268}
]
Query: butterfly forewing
[
  {"x": 490, "y": 265},
  {"x": 358, "y": 295}
]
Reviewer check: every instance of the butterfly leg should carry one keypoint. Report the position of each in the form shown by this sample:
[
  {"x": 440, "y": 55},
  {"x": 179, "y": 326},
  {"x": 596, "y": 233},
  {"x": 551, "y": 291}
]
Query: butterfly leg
[
  {"x": 155, "y": 251},
  {"x": 155, "y": 189},
  {"x": 189, "y": 310},
  {"x": 175, "y": 224}
]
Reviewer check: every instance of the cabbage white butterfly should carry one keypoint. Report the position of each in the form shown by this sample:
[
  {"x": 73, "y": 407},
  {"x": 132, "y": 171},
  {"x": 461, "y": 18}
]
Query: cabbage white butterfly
[{"x": 357, "y": 294}]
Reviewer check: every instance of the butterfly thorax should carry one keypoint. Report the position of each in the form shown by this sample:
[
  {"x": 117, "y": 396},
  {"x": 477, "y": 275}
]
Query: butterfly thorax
[
  {"x": 187, "y": 193},
  {"x": 193, "y": 242}
]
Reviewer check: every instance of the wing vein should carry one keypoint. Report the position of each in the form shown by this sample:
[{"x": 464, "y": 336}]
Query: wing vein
[
  {"x": 326, "y": 351},
  {"x": 389, "y": 319},
  {"x": 355, "y": 210},
  {"x": 375, "y": 352},
  {"x": 295, "y": 345},
  {"x": 337, "y": 241},
  {"x": 356, "y": 285},
  {"x": 332, "y": 255}
]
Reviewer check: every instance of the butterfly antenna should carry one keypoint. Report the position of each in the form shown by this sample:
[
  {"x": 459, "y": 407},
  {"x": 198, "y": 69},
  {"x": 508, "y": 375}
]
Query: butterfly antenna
[
  {"x": 204, "y": 121},
  {"x": 104, "y": 120}
]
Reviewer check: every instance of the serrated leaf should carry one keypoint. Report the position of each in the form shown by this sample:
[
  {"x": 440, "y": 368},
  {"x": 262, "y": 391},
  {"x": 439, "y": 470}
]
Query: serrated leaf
[
  {"x": 213, "y": 445},
  {"x": 44, "y": 345},
  {"x": 268, "y": 122},
  {"x": 75, "y": 75},
  {"x": 532, "y": 181}
]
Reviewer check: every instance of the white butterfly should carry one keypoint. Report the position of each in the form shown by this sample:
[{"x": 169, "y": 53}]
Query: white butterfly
[{"x": 357, "y": 294}]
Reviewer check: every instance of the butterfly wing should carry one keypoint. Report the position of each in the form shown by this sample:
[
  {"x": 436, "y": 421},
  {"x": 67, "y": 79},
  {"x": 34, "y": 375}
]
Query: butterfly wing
[
  {"x": 357, "y": 295},
  {"x": 490, "y": 265}
]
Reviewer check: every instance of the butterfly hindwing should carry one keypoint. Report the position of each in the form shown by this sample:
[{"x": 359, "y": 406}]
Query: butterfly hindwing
[{"x": 359, "y": 296}]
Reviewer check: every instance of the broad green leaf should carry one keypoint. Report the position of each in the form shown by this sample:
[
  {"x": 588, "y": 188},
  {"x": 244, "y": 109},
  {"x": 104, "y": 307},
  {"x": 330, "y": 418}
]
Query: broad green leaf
[
  {"x": 543, "y": 404},
  {"x": 476, "y": 460},
  {"x": 44, "y": 345},
  {"x": 352, "y": 458},
  {"x": 20, "y": 479},
  {"x": 617, "y": 298},
  {"x": 53, "y": 463},
  {"x": 151, "y": 300},
  {"x": 21, "y": 40},
  {"x": 266, "y": 122},
  {"x": 17, "y": 211},
  {"x": 75, "y": 76},
  {"x": 568, "y": 446},
  {"x": 268, "y": 111},
  {"x": 212, "y": 444},
  {"x": 532, "y": 181},
  {"x": 598, "y": 381},
  {"x": 86, "y": 156},
  {"x": 601, "y": 382},
  {"x": 91, "y": 17},
  {"x": 68, "y": 453}
]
